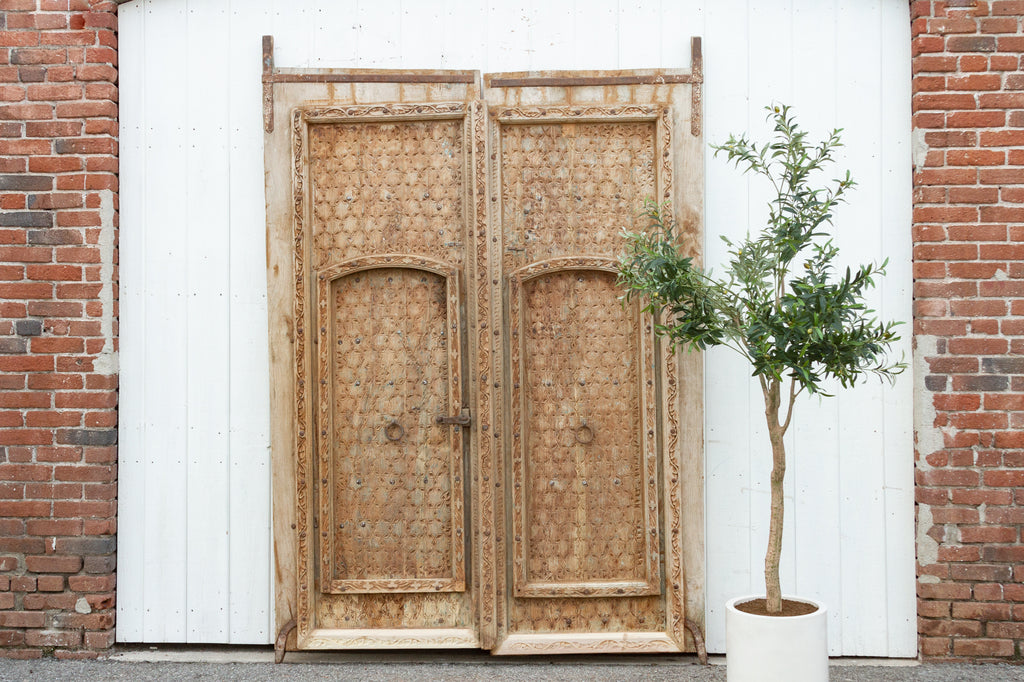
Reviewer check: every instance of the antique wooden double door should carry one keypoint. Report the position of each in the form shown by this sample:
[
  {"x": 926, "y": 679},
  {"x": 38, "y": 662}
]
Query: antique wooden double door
[{"x": 476, "y": 443}]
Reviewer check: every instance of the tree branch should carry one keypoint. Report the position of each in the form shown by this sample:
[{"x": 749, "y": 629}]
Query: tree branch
[{"x": 793, "y": 393}]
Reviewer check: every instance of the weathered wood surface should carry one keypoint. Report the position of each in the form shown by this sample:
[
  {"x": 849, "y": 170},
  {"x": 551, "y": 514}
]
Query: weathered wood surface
[
  {"x": 377, "y": 252},
  {"x": 567, "y": 159},
  {"x": 378, "y": 231}
]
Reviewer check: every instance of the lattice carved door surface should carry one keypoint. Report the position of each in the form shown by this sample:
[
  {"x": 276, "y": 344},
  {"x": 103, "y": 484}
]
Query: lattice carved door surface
[
  {"x": 586, "y": 534},
  {"x": 483, "y": 443},
  {"x": 393, "y": 502}
]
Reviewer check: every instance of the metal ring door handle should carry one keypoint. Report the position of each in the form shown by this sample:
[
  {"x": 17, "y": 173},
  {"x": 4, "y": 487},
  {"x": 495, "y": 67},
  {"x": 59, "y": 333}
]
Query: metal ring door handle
[
  {"x": 394, "y": 431},
  {"x": 584, "y": 434}
]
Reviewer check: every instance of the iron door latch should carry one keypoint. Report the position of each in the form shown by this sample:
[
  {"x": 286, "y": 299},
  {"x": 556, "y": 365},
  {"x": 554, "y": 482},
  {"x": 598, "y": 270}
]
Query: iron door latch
[{"x": 462, "y": 418}]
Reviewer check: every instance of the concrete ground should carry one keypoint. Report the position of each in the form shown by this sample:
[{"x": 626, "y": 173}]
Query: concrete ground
[{"x": 256, "y": 665}]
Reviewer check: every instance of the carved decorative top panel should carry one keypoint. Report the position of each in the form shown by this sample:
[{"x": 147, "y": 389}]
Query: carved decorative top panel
[
  {"x": 568, "y": 188},
  {"x": 387, "y": 187}
]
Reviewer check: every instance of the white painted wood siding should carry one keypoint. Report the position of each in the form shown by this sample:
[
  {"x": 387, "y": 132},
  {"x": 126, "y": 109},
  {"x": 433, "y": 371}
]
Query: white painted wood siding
[{"x": 194, "y": 541}]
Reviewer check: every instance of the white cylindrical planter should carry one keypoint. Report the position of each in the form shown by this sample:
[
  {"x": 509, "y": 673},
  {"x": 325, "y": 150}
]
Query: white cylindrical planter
[{"x": 776, "y": 649}]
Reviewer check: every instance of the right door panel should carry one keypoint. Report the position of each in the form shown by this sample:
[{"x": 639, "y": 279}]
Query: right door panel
[{"x": 586, "y": 451}]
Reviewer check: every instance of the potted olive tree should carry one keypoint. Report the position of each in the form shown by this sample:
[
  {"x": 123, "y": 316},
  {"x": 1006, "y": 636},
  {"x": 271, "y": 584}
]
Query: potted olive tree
[{"x": 781, "y": 304}]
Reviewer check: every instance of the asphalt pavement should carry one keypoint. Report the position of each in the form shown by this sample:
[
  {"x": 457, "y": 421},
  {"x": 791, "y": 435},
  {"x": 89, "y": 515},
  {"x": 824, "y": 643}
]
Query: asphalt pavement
[{"x": 255, "y": 665}]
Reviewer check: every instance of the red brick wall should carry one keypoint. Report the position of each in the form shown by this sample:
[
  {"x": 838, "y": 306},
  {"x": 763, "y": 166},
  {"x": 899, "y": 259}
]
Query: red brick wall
[
  {"x": 968, "y": 107},
  {"x": 58, "y": 371}
]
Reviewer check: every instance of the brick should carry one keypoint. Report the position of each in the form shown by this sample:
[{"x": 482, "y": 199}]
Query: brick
[
  {"x": 973, "y": 82},
  {"x": 947, "y": 213},
  {"x": 52, "y": 92},
  {"x": 975, "y": 157},
  {"x": 37, "y": 418},
  {"x": 944, "y": 101},
  {"x": 973, "y": 307},
  {"x": 84, "y": 473},
  {"x": 87, "y": 436},
  {"x": 87, "y": 545},
  {"x": 96, "y": 72},
  {"x": 981, "y": 572},
  {"x": 55, "y": 164},
  {"x": 75, "y": 654},
  {"x": 13, "y": 345},
  {"x": 22, "y": 546},
  {"x": 21, "y": 654},
  {"x": 86, "y": 509},
  {"x": 103, "y": 620},
  {"x": 981, "y": 611},
  {"x": 1010, "y": 630},
  {"x": 935, "y": 646},
  {"x": 53, "y": 638},
  {"x": 999, "y": 176},
  {"x": 978, "y": 346},
  {"x": 934, "y": 63},
  {"x": 946, "y": 252},
  {"x": 23, "y": 584},
  {"x": 21, "y": 619},
  {"x": 1004, "y": 62},
  {"x": 11, "y": 638},
  {"x": 973, "y": 195},
  {"x": 957, "y": 553},
  {"x": 1006, "y": 365},
  {"x": 80, "y": 110},
  {"x": 951, "y": 477},
  {"x": 52, "y": 201},
  {"x": 26, "y": 219},
  {"x": 29, "y": 327},
  {"x": 28, "y": 111},
  {"x": 68, "y": 38},
  {"x": 961, "y": 43},
  {"x": 89, "y": 145},
  {"x": 100, "y": 564},
  {"x": 963, "y": 628},
  {"x": 1004, "y": 478},
  {"x": 21, "y": 182},
  {"x": 976, "y": 119},
  {"x": 99, "y": 640},
  {"x": 988, "y": 534},
  {"x": 983, "y": 647},
  {"x": 24, "y": 508},
  {"x": 53, "y": 564},
  {"x": 980, "y": 420},
  {"x": 55, "y": 237},
  {"x": 1009, "y": 439},
  {"x": 91, "y": 583},
  {"x": 1013, "y": 554},
  {"x": 952, "y": 26},
  {"x": 38, "y": 55},
  {"x": 67, "y": 273}
]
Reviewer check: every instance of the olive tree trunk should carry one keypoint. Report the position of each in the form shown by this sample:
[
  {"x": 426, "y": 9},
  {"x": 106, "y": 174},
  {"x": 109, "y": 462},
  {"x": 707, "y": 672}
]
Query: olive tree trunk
[{"x": 776, "y": 432}]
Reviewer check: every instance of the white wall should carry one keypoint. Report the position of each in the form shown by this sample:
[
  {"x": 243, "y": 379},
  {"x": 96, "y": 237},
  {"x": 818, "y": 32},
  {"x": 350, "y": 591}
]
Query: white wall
[{"x": 194, "y": 542}]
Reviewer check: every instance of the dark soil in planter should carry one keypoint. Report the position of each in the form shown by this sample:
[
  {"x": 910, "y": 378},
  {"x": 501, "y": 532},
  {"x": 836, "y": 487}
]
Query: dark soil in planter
[{"x": 759, "y": 607}]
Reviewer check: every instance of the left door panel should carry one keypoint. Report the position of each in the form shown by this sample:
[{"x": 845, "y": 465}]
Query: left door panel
[{"x": 376, "y": 209}]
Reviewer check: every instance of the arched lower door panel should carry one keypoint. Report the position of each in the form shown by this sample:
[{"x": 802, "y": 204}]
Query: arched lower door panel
[
  {"x": 391, "y": 475},
  {"x": 584, "y": 456}
]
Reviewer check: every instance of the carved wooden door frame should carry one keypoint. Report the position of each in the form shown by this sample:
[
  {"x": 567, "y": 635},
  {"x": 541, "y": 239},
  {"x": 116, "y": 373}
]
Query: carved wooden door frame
[{"x": 292, "y": 98}]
